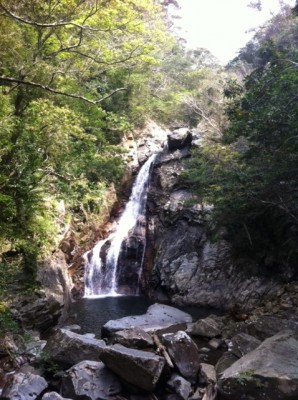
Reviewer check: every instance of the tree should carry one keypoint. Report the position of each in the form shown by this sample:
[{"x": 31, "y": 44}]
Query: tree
[
  {"x": 61, "y": 61},
  {"x": 250, "y": 175}
]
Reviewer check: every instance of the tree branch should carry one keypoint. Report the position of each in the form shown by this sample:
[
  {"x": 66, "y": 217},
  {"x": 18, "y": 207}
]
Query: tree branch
[
  {"x": 59, "y": 92},
  {"x": 53, "y": 24}
]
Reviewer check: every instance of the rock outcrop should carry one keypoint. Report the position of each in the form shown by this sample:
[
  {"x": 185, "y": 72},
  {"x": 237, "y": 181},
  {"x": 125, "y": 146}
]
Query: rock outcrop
[
  {"x": 182, "y": 264},
  {"x": 159, "y": 317},
  {"x": 90, "y": 380},
  {"x": 140, "y": 368},
  {"x": 24, "y": 386},
  {"x": 69, "y": 348},
  {"x": 269, "y": 372}
]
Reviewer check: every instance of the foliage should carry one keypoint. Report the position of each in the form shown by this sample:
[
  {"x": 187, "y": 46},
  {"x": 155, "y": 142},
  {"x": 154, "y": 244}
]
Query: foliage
[
  {"x": 250, "y": 176},
  {"x": 7, "y": 323},
  {"x": 65, "y": 73}
]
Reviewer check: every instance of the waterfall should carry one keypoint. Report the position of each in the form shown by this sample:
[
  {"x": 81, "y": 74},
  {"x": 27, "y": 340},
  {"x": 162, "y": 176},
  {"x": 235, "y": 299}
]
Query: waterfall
[{"x": 102, "y": 263}]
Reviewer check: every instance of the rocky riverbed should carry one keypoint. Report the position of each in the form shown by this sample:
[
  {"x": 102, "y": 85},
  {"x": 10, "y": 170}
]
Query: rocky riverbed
[{"x": 162, "y": 355}]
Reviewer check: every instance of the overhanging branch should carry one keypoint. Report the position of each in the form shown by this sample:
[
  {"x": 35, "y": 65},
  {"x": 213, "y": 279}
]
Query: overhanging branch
[{"x": 59, "y": 92}]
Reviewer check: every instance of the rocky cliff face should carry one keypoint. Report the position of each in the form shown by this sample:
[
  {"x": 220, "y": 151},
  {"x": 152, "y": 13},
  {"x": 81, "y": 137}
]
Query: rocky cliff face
[{"x": 182, "y": 263}]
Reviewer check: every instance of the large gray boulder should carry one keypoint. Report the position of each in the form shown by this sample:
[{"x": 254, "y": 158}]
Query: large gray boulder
[
  {"x": 157, "y": 318},
  {"x": 140, "y": 368},
  {"x": 179, "y": 139},
  {"x": 69, "y": 348},
  {"x": 38, "y": 312},
  {"x": 206, "y": 327},
  {"x": 242, "y": 343},
  {"x": 184, "y": 354},
  {"x": 90, "y": 380},
  {"x": 24, "y": 386},
  {"x": 270, "y": 372},
  {"x": 180, "y": 386}
]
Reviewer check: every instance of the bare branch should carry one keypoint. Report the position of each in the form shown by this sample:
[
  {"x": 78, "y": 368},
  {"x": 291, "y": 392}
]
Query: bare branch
[
  {"x": 53, "y": 24},
  {"x": 59, "y": 92}
]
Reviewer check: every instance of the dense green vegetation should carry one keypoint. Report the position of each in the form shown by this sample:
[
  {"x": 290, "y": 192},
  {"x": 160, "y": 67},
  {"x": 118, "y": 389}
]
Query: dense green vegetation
[
  {"x": 67, "y": 70},
  {"x": 250, "y": 172}
]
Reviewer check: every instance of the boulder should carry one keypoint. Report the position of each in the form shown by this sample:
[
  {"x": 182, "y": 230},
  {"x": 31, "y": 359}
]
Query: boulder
[
  {"x": 53, "y": 396},
  {"x": 136, "y": 338},
  {"x": 38, "y": 312},
  {"x": 207, "y": 374},
  {"x": 23, "y": 386},
  {"x": 184, "y": 354},
  {"x": 225, "y": 361},
  {"x": 90, "y": 380},
  {"x": 69, "y": 348},
  {"x": 140, "y": 368},
  {"x": 158, "y": 317},
  {"x": 206, "y": 327},
  {"x": 268, "y": 325},
  {"x": 180, "y": 386},
  {"x": 270, "y": 372},
  {"x": 242, "y": 344},
  {"x": 179, "y": 139}
]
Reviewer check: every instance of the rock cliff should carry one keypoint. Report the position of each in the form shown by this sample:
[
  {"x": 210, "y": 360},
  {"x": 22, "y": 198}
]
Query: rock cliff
[{"x": 183, "y": 265}]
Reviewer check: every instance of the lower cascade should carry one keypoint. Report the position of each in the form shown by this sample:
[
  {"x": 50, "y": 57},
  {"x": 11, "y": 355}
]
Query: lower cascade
[{"x": 114, "y": 265}]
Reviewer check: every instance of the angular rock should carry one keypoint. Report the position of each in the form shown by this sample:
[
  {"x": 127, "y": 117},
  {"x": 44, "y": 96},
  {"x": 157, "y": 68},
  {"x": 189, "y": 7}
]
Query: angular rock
[
  {"x": 53, "y": 396},
  {"x": 184, "y": 354},
  {"x": 206, "y": 327},
  {"x": 69, "y": 348},
  {"x": 180, "y": 385},
  {"x": 157, "y": 317},
  {"x": 270, "y": 372},
  {"x": 24, "y": 387},
  {"x": 267, "y": 325},
  {"x": 39, "y": 313},
  {"x": 136, "y": 338},
  {"x": 140, "y": 368},
  {"x": 225, "y": 361},
  {"x": 215, "y": 343},
  {"x": 207, "y": 374},
  {"x": 90, "y": 380},
  {"x": 242, "y": 344},
  {"x": 179, "y": 139}
]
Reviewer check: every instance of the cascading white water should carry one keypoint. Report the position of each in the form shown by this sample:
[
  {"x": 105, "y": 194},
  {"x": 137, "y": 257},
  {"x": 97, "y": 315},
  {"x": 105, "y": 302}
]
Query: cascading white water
[{"x": 100, "y": 275}]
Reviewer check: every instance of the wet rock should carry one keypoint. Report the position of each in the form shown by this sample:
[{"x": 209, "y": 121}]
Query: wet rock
[
  {"x": 206, "y": 327},
  {"x": 179, "y": 139},
  {"x": 69, "y": 348},
  {"x": 52, "y": 274},
  {"x": 184, "y": 354},
  {"x": 157, "y": 317},
  {"x": 269, "y": 372},
  {"x": 53, "y": 396},
  {"x": 225, "y": 361},
  {"x": 137, "y": 367},
  {"x": 24, "y": 387},
  {"x": 215, "y": 343},
  {"x": 207, "y": 374},
  {"x": 90, "y": 380},
  {"x": 136, "y": 338},
  {"x": 180, "y": 386},
  {"x": 268, "y": 325},
  {"x": 38, "y": 312},
  {"x": 242, "y": 344}
]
